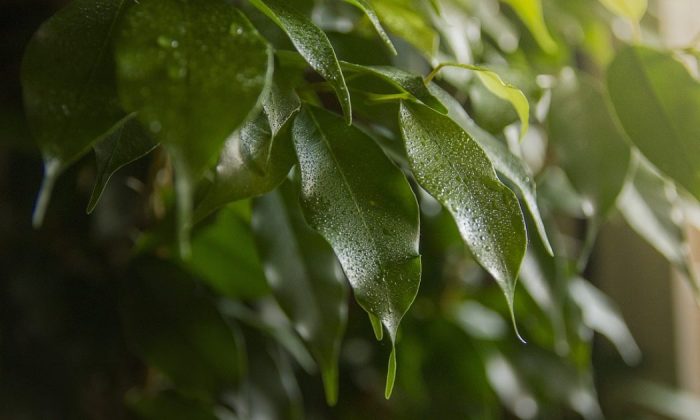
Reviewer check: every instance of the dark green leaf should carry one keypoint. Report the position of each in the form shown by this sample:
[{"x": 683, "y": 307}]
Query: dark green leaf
[
  {"x": 312, "y": 44},
  {"x": 177, "y": 330},
  {"x": 282, "y": 102},
  {"x": 70, "y": 96},
  {"x": 657, "y": 101},
  {"x": 452, "y": 167},
  {"x": 193, "y": 70},
  {"x": 403, "y": 80},
  {"x": 367, "y": 8},
  {"x": 168, "y": 405},
  {"x": 251, "y": 164},
  {"x": 362, "y": 204},
  {"x": 305, "y": 278},
  {"x": 127, "y": 143},
  {"x": 505, "y": 163}
]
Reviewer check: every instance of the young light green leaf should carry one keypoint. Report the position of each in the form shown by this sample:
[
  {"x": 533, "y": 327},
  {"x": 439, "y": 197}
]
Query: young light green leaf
[
  {"x": 312, "y": 43},
  {"x": 305, "y": 278},
  {"x": 405, "y": 20},
  {"x": 644, "y": 86},
  {"x": 282, "y": 102},
  {"x": 127, "y": 143},
  {"x": 193, "y": 70},
  {"x": 633, "y": 10},
  {"x": 68, "y": 82},
  {"x": 391, "y": 375},
  {"x": 364, "y": 207},
  {"x": 530, "y": 12},
  {"x": 251, "y": 164},
  {"x": 493, "y": 82},
  {"x": 506, "y": 163},
  {"x": 369, "y": 11},
  {"x": 452, "y": 167},
  {"x": 402, "y": 80}
]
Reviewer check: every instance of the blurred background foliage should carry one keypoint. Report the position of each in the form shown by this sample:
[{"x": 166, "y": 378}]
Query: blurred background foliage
[{"x": 90, "y": 331}]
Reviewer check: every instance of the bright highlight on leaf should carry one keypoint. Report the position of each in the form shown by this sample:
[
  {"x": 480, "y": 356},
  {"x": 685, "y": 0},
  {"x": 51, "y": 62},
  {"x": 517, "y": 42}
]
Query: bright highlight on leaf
[
  {"x": 493, "y": 82},
  {"x": 633, "y": 10},
  {"x": 530, "y": 11}
]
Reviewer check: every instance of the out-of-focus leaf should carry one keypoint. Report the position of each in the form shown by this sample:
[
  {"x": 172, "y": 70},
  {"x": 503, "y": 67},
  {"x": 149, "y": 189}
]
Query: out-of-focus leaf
[
  {"x": 223, "y": 256},
  {"x": 70, "y": 96},
  {"x": 305, "y": 278},
  {"x": 452, "y": 167},
  {"x": 177, "y": 330},
  {"x": 168, "y": 405},
  {"x": 505, "y": 163},
  {"x": 364, "y": 207},
  {"x": 630, "y": 9},
  {"x": 127, "y": 143},
  {"x": 403, "y": 80},
  {"x": 252, "y": 163},
  {"x": 645, "y": 86},
  {"x": 404, "y": 19},
  {"x": 368, "y": 10},
  {"x": 530, "y": 12},
  {"x": 601, "y": 315},
  {"x": 282, "y": 102},
  {"x": 193, "y": 70},
  {"x": 312, "y": 44}
]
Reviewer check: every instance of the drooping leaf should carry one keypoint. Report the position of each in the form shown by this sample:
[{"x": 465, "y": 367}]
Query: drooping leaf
[
  {"x": 193, "y": 70},
  {"x": 251, "y": 164},
  {"x": 69, "y": 89},
  {"x": 305, "y": 277},
  {"x": 363, "y": 206},
  {"x": 312, "y": 44},
  {"x": 368, "y": 10},
  {"x": 177, "y": 330},
  {"x": 530, "y": 12},
  {"x": 127, "y": 143},
  {"x": 586, "y": 136},
  {"x": 223, "y": 255},
  {"x": 282, "y": 102},
  {"x": 452, "y": 167},
  {"x": 402, "y": 80},
  {"x": 633, "y": 10},
  {"x": 168, "y": 405},
  {"x": 657, "y": 102},
  {"x": 506, "y": 163},
  {"x": 404, "y": 19}
]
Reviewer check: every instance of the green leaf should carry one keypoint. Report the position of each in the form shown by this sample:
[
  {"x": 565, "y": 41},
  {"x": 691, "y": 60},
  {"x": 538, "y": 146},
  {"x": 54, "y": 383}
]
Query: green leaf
[
  {"x": 68, "y": 82},
  {"x": 402, "y": 80},
  {"x": 312, "y": 44},
  {"x": 168, "y": 405},
  {"x": 506, "y": 163},
  {"x": 633, "y": 10},
  {"x": 364, "y": 207},
  {"x": 282, "y": 102},
  {"x": 493, "y": 82},
  {"x": 585, "y": 136},
  {"x": 193, "y": 70},
  {"x": 127, "y": 143},
  {"x": 530, "y": 12},
  {"x": 177, "y": 330},
  {"x": 452, "y": 167},
  {"x": 223, "y": 255},
  {"x": 251, "y": 164},
  {"x": 657, "y": 102},
  {"x": 404, "y": 19},
  {"x": 305, "y": 278},
  {"x": 368, "y": 10}
]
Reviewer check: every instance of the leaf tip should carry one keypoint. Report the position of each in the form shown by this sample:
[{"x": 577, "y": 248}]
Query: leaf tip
[
  {"x": 52, "y": 168},
  {"x": 391, "y": 374},
  {"x": 330, "y": 384}
]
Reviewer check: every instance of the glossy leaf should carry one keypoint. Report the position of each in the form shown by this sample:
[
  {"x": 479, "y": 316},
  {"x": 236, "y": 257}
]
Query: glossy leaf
[
  {"x": 506, "y": 163},
  {"x": 404, "y": 19},
  {"x": 454, "y": 169},
  {"x": 371, "y": 14},
  {"x": 68, "y": 82},
  {"x": 363, "y": 206},
  {"x": 282, "y": 102},
  {"x": 195, "y": 348},
  {"x": 645, "y": 87},
  {"x": 312, "y": 44},
  {"x": 403, "y": 80},
  {"x": 127, "y": 143},
  {"x": 251, "y": 164},
  {"x": 193, "y": 70},
  {"x": 530, "y": 12},
  {"x": 305, "y": 277},
  {"x": 585, "y": 136},
  {"x": 633, "y": 10}
]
